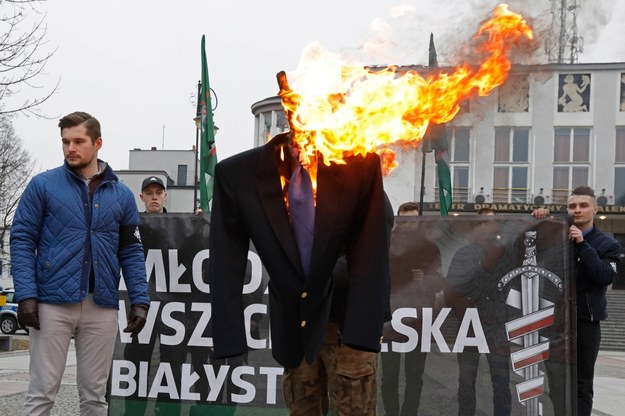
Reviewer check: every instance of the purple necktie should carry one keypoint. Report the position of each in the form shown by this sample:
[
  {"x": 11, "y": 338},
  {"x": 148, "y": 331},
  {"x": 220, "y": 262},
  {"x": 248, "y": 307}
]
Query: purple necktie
[{"x": 302, "y": 210}]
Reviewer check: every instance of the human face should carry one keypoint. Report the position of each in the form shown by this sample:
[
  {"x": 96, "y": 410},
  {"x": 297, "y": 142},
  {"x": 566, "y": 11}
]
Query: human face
[
  {"x": 81, "y": 153},
  {"x": 409, "y": 213},
  {"x": 583, "y": 209},
  {"x": 153, "y": 196}
]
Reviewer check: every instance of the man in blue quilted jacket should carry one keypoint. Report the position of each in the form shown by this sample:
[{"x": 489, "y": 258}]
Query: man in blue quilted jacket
[{"x": 75, "y": 229}]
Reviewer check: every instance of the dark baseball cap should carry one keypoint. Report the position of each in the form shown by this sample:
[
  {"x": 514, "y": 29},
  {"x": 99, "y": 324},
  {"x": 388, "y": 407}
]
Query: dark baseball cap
[{"x": 150, "y": 180}]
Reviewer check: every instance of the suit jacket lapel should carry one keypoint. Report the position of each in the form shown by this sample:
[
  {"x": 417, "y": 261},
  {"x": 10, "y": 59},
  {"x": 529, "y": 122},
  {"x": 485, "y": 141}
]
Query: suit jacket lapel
[{"x": 272, "y": 199}]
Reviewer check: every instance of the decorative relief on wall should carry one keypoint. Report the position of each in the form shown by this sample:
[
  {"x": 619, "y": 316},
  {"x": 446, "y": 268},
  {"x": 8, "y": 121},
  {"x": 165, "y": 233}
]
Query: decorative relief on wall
[
  {"x": 514, "y": 95},
  {"x": 574, "y": 93}
]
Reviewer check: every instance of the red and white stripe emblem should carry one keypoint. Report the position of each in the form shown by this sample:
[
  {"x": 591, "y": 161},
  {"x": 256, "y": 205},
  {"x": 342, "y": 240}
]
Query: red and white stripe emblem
[{"x": 529, "y": 323}]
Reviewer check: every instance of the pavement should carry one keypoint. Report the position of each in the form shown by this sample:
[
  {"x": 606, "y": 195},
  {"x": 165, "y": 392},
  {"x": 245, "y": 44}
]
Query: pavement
[{"x": 609, "y": 384}]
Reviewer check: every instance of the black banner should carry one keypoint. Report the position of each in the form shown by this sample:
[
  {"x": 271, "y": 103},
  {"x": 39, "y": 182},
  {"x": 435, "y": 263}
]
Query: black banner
[{"x": 480, "y": 304}]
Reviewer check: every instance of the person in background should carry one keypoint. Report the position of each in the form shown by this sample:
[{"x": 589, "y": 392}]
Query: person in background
[
  {"x": 75, "y": 228},
  {"x": 408, "y": 209},
  {"x": 153, "y": 195},
  {"x": 473, "y": 275},
  {"x": 415, "y": 280},
  {"x": 597, "y": 257}
]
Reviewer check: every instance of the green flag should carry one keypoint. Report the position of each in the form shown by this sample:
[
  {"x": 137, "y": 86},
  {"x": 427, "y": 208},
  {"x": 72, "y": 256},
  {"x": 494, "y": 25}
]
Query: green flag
[
  {"x": 435, "y": 139},
  {"x": 208, "y": 151},
  {"x": 444, "y": 183}
]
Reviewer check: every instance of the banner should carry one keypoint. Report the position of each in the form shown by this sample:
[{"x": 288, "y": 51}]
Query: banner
[{"x": 479, "y": 304}]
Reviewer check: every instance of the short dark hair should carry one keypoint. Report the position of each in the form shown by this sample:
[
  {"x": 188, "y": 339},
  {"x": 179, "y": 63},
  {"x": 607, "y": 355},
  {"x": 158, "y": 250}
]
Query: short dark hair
[
  {"x": 584, "y": 190},
  {"x": 408, "y": 206},
  {"x": 486, "y": 211},
  {"x": 80, "y": 117}
]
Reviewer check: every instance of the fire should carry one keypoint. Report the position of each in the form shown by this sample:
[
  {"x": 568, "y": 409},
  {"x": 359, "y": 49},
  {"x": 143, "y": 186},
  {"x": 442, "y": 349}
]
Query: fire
[{"x": 340, "y": 110}]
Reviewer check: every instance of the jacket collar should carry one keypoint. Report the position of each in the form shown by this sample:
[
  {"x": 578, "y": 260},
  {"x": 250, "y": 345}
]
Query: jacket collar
[
  {"x": 107, "y": 172},
  {"x": 329, "y": 191}
]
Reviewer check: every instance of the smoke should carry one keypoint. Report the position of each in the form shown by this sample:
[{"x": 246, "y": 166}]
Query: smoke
[
  {"x": 402, "y": 37},
  {"x": 600, "y": 24}
]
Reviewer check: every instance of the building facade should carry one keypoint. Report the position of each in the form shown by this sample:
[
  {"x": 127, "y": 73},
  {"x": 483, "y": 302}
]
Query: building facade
[
  {"x": 175, "y": 167},
  {"x": 548, "y": 129}
]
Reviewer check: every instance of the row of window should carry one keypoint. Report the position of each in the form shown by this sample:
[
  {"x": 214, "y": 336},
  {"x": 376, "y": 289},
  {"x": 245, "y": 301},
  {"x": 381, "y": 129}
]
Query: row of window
[{"x": 511, "y": 163}]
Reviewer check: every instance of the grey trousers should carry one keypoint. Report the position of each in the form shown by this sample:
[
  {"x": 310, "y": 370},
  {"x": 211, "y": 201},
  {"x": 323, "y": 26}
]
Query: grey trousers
[{"x": 94, "y": 329}]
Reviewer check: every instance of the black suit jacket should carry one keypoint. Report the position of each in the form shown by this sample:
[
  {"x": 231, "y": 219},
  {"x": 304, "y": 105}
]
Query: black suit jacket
[{"x": 248, "y": 203}]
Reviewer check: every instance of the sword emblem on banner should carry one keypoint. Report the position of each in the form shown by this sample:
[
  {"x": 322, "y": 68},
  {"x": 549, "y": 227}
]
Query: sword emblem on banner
[{"x": 538, "y": 313}]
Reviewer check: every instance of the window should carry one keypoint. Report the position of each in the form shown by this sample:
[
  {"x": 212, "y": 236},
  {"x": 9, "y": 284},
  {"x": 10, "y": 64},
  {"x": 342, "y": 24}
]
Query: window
[
  {"x": 182, "y": 175},
  {"x": 619, "y": 185},
  {"x": 264, "y": 127},
  {"x": 281, "y": 121},
  {"x": 571, "y": 157},
  {"x": 619, "y": 170},
  {"x": 511, "y": 165},
  {"x": 459, "y": 153},
  {"x": 620, "y": 145}
]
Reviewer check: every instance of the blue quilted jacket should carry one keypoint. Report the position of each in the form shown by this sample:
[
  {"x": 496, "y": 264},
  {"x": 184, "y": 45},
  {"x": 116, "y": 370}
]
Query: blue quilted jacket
[{"x": 58, "y": 233}]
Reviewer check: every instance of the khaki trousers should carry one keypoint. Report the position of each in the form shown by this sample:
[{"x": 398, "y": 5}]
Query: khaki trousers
[
  {"x": 95, "y": 330},
  {"x": 341, "y": 379}
]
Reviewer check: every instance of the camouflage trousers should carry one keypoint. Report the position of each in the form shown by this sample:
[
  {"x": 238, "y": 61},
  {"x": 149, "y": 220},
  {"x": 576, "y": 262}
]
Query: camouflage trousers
[{"x": 341, "y": 379}]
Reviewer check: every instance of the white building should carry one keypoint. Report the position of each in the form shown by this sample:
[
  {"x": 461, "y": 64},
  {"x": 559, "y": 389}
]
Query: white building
[{"x": 548, "y": 129}]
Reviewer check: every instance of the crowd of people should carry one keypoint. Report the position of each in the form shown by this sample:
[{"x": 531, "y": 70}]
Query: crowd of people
[{"x": 335, "y": 278}]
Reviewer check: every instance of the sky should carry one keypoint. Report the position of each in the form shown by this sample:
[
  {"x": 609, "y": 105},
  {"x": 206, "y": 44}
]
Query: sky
[{"x": 135, "y": 65}]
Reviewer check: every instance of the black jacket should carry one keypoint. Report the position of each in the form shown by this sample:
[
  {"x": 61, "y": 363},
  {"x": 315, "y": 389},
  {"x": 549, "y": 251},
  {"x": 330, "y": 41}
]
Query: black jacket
[
  {"x": 249, "y": 205},
  {"x": 596, "y": 264}
]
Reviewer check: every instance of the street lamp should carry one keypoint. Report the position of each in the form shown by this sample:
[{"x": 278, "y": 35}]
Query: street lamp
[{"x": 198, "y": 126}]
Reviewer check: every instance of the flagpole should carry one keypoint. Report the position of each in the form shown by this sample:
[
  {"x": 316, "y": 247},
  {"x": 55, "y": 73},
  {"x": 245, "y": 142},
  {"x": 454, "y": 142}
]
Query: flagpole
[
  {"x": 197, "y": 119},
  {"x": 423, "y": 152}
]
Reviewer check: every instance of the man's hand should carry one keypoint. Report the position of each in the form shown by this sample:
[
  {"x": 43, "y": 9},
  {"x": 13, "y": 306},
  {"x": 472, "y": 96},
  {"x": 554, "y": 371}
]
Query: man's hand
[
  {"x": 540, "y": 213},
  {"x": 28, "y": 313},
  {"x": 575, "y": 234},
  {"x": 136, "y": 319}
]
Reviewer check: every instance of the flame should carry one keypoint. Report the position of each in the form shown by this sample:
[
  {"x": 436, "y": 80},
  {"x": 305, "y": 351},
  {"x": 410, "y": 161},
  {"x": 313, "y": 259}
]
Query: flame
[{"x": 340, "y": 110}]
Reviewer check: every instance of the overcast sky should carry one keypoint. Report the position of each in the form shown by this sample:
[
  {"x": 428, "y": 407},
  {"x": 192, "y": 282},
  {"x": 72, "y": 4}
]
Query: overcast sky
[{"x": 135, "y": 64}]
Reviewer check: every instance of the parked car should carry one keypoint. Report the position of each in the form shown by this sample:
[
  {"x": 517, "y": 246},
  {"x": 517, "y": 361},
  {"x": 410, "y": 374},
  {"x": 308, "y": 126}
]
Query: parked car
[{"x": 8, "y": 312}]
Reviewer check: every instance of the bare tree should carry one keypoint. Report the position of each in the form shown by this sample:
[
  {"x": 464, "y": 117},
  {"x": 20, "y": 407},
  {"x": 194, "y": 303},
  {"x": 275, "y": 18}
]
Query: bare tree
[
  {"x": 16, "y": 169},
  {"x": 22, "y": 58}
]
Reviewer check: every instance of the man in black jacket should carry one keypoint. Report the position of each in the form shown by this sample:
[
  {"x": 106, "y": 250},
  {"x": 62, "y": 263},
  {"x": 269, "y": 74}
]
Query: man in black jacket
[{"x": 596, "y": 263}]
